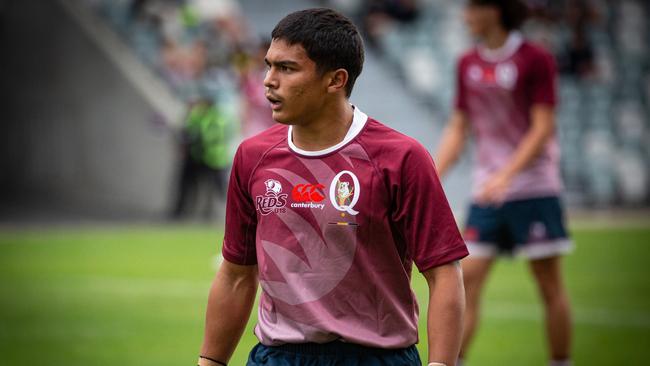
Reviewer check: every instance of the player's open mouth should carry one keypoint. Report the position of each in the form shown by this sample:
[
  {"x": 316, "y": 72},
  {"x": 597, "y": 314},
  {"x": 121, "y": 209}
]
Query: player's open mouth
[{"x": 275, "y": 102}]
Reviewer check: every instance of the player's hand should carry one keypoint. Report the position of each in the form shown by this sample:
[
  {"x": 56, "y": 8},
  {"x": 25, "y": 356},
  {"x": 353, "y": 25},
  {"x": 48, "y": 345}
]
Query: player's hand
[{"x": 494, "y": 190}]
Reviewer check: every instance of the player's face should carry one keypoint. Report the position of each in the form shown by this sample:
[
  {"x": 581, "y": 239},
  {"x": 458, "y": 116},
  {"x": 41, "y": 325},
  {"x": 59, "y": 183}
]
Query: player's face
[
  {"x": 480, "y": 19},
  {"x": 293, "y": 84}
]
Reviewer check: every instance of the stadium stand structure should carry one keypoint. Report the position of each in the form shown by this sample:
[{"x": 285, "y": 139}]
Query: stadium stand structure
[{"x": 76, "y": 141}]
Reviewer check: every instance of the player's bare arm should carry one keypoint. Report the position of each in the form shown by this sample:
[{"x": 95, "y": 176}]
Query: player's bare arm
[
  {"x": 542, "y": 127},
  {"x": 445, "y": 312},
  {"x": 452, "y": 142},
  {"x": 229, "y": 306}
]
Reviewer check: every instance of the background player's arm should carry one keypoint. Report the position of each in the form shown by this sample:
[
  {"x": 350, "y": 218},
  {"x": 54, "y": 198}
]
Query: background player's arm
[
  {"x": 452, "y": 142},
  {"x": 445, "y": 312},
  {"x": 229, "y": 306},
  {"x": 541, "y": 129}
]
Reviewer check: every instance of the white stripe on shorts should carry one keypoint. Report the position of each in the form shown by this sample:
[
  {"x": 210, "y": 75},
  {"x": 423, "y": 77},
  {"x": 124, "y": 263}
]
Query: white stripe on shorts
[
  {"x": 544, "y": 249},
  {"x": 481, "y": 249}
]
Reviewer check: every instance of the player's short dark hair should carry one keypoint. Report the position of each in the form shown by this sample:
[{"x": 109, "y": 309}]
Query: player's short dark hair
[
  {"x": 330, "y": 39},
  {"x": 513, "y": 12}
]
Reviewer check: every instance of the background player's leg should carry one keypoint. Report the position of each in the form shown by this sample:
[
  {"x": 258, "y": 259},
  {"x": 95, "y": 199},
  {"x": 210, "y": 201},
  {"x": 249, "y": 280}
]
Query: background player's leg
[
  {"x": 475, "y": 271},
  {"x": 548, "y": 275}
]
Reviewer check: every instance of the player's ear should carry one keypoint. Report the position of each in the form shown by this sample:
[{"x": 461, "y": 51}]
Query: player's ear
[{"x": 338, "y": 79}]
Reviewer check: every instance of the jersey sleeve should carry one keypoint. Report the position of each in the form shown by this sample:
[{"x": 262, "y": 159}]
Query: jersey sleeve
[
  {"x": 460, "y": 102},
  {"x": 543, "y": 80},
  {"x": 423, "y": 216},
  {"x": 241, "y": 218}
]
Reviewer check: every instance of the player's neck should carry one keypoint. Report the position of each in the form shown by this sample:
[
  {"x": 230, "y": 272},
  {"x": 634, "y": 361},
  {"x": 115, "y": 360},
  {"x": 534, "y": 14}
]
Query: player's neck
[
  {"x": 495, "y": 38},
  {"x": 326, "y": 130}
]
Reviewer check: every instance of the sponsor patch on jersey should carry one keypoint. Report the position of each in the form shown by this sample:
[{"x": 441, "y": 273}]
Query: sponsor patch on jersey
[
  {"x": 475, "y": 73},
  {"x": 344, "y": 192},
  {"x": 273, "y": 200},
  {"x": 308, "y": 196},
  {"x": 506, "y": 75},
  {"x": 503, "y": 74}
]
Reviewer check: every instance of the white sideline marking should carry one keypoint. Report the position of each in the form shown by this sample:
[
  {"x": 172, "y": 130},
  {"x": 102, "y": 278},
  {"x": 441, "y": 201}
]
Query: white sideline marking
[
  {"x": 133, "y": 288},
  {"x": 155, "y": 91}
]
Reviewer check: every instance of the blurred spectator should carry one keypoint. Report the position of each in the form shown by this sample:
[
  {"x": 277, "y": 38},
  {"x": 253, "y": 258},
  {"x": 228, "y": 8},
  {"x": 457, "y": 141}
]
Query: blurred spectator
[
  {"x": 206, "y": 157},
  {"x": 381, "y": 14},
  {"x": 542, "y": 25},
  {"x": 184, "y": 63},
  {"x": 578, "y": 55},
  {"x": 376, "y": 17},
  {"x": 256, "y": 109},
  {"x": 563, "y": 28}
]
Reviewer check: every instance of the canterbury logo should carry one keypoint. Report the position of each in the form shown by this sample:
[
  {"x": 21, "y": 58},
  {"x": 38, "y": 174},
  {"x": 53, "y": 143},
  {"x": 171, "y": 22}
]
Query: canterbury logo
[{"x": 308, "y": 193}]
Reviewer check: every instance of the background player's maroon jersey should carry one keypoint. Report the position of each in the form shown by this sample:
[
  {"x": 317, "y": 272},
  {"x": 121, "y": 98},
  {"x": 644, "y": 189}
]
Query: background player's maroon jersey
[
  {"x": 496, "y": 89},
  {"x": 335, "y": 233}
]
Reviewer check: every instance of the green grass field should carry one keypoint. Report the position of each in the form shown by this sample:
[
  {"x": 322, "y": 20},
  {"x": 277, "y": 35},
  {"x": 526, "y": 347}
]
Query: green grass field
[{"x": 136, "y": 296}]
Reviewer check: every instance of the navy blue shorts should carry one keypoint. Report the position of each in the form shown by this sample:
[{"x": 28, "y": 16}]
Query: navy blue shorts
[
  {"x": 331, "y": 354},
  {"x": 533, "y": 228}
]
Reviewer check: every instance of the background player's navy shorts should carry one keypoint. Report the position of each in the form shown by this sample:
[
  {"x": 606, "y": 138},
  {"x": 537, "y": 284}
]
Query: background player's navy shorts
[
  {"x": 532, "y": 228},
  {"x": 331, "y": 354}
]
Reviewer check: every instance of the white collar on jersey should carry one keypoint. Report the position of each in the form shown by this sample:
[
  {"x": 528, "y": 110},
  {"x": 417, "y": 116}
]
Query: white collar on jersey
[
  {"x": 512, "y": 44},
  {"x": 358, "y": 121}
]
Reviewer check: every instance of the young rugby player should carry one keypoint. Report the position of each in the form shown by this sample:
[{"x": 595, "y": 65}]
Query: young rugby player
[
  {"x": 328, "y": 211},
  {"x": 505, "y": 102}
]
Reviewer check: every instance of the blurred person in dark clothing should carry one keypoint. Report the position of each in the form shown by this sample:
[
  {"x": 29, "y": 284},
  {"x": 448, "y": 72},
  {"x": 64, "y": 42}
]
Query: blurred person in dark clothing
[
  {"x": 378, "y": 15},
  {"x": 206, "y": 157},
  {"x": 578, "y": 56}
]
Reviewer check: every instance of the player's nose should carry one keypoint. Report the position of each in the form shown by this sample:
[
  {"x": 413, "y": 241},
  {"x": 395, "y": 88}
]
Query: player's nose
[{"x": 270, "y": 80}]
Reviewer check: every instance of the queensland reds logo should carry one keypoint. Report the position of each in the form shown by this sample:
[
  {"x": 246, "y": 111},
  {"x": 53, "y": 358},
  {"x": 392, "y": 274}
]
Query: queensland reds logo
[
  {"x": 344, "y": 192},
  {"x": 475, "y": 73},
  {"x": 273, "y": 200}
]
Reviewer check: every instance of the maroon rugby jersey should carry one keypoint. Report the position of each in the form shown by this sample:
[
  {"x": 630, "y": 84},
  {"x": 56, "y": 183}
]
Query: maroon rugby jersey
[
  {"x": 335, "y": 233},
  {"x": 497, "y": 89}
]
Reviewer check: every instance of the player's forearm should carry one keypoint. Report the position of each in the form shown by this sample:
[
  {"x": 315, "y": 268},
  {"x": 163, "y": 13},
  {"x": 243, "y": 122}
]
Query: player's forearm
[
  {"x": 451, "y": 145},
  {"x": 542, "y": 128},
  {"x": 445, "y": 314},
  {"x": 229, "y": 306}
]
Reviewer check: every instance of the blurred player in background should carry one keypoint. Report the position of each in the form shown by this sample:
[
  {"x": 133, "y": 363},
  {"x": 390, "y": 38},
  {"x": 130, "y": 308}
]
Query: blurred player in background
[
  {"x": 505, "y": 102},
  {"x": 329, "y": 210}
]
